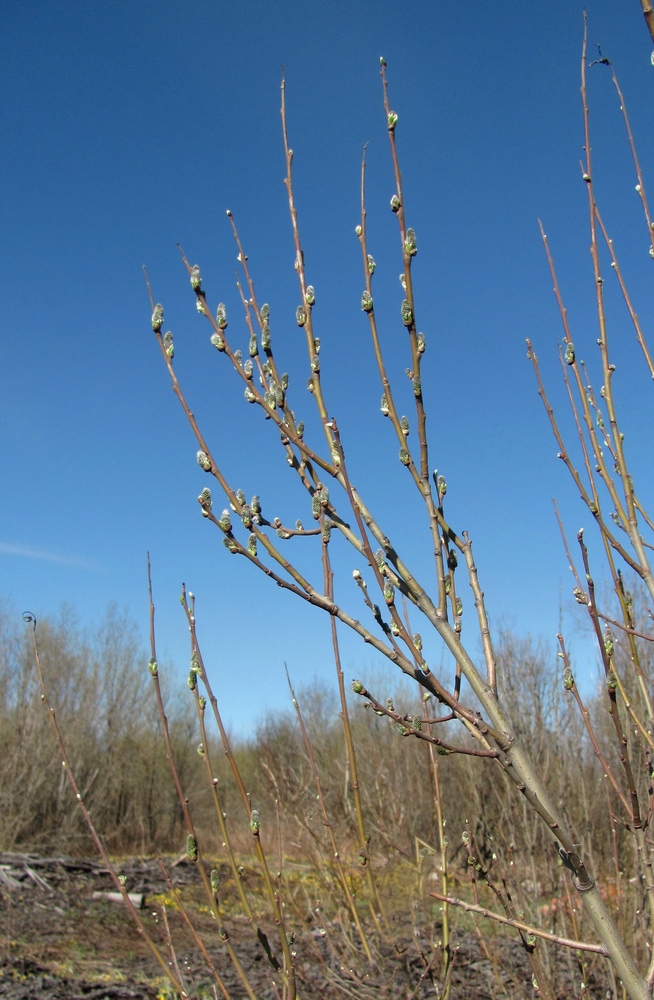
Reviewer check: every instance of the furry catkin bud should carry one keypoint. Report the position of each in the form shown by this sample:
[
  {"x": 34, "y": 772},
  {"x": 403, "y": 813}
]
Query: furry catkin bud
[
  {"x": 384, "y": 405},
  {"x": 392, "y": 121},
  {"x": 250, "y": 394},
  {"x": 405, "y": 458},
  {"x": 203, "y": 461},
  {"x": 310, "y": 295},
  {"x": 218, "y": 341},
  {"x": 265, "y": 337},
  {"x": 225, "y": 521},
  {"x": 568, "y": 678},
  {"x": 441, "y": 486},
  {"x": 205, "y": 500},
  {"x": 265, "y": 313},
  {"x": 255, "y": 504},
  {"x": 152, "y": 667},
  {"x": 230, "y": 545},
  {"x": 326, "y": 530},
  {"x": 248, "y": 368},
  {"x": 221, "y": 315},
  {"x": 420, "y": 343},
  {"x": 366, "y": 302},
  {"x": 417, "y": 641},
  {"x": 389, "y": 593},
  {"x": 569, "y": 353},
  {"x": 254, "y": 346},
  {"x": 169, "y": 345},
  {"x": 407, "y": 313},
  {"x": 252, "y": 545},
  {"x": 404, "y": 425},
  {"x": 254, "y": 821},
  {"x": 246, "y": 515},
  {"x": 215, "y": 880},
  {"x": 396, "y": 204},
  {"x": 157, "y": 317},
  {"x": 191, "y": 848},
  {"x": 315, "y": 506},
  {"x": 410, "y": 244},
  {"x": 300, "y": 315},
  {"x": 315, "y": 364},
  {"x": 371, "y": 264},
  {"x": 196, "y": 278},
  {"x": 417, "y": 386}
]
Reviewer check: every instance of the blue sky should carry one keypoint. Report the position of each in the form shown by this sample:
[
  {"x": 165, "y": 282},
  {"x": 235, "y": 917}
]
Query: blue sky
[{"x": 130, "y": 127}]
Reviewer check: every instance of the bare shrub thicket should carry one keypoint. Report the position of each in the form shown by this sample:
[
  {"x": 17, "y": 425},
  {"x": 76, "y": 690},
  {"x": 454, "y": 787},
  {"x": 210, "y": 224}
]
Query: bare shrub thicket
[
  {"x": 114, "y": 745},
  {"x": 468, "y": 773}
]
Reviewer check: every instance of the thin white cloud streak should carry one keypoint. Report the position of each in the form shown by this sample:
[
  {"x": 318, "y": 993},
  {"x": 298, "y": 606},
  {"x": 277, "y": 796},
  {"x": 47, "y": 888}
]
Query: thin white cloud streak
[{"x": 60, "y": 559}]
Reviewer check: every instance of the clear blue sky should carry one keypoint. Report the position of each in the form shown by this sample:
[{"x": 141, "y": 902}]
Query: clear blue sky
[{"x": 128, "y": 127}]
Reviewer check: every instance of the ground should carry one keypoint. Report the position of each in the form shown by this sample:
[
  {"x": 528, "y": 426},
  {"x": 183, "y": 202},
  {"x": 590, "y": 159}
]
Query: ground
[{"x": 63, "y": 938}]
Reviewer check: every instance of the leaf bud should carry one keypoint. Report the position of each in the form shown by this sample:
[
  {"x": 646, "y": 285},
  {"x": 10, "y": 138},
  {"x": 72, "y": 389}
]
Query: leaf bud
[
  {"x": 392, "y": 121},
  {"x": 196, "y": 278},
  {"x": 580, "y": 596},
  {"x": 357, "y": 687},
  {"x": 152, "y": 667},
  {"x": 204, "y": 461},
  {"x": 157, "y": 317}
]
